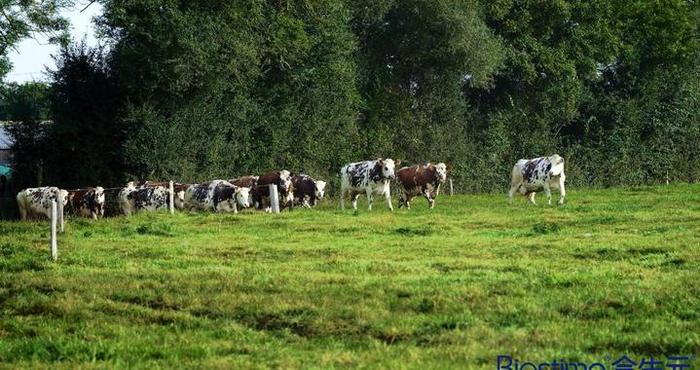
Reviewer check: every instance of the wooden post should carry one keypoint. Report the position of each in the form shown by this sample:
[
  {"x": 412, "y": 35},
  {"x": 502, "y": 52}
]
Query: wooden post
[
  {"x": 172, "y": 197},
  {"x": 54, "y": 241},
  {"x": 452, "y": 189},
  {"x": 667, "y": 179},
  {"x": 274, "y": 199},
  {"x": 59, "y": 210}
]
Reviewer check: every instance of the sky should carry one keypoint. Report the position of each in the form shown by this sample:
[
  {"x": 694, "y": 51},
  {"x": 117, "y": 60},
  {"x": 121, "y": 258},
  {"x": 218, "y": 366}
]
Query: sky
[{"x": 31, "y": 57}]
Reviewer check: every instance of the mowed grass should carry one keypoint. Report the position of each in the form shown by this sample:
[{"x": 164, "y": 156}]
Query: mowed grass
[{"x": 612, "y": 272}]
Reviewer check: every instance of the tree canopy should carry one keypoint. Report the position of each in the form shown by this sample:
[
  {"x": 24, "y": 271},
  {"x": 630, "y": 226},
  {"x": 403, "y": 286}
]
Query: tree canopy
[
  {"x": 20, "y": 19},
  {"x": 199, "y": 89}
]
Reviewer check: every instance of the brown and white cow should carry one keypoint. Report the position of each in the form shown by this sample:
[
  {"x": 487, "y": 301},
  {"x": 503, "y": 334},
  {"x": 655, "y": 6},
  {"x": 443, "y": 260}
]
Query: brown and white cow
[
  {"x": 250, "y": 182},
  {"x": 421, "y": 179},
  {"x": 283, "y": 180},
  {"x": 34, "y": 202},
  {"x": 217, "y": 196},
  {"x": 89, "y": 202},
  {"x": 530, "y": 176},
  {"x": 369, "y": 177},
  {"x": 307, "y": 191}
]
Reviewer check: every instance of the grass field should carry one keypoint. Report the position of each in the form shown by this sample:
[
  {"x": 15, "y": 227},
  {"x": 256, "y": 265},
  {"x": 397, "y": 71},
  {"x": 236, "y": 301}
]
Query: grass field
[{"x": 612, "y": 272}]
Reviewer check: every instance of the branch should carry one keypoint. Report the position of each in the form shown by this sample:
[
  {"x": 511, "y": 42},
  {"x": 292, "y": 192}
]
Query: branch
[{"x": 88, "y": 5}]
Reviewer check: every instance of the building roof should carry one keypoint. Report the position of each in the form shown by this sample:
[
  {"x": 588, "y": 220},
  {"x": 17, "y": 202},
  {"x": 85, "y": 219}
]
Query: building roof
[{"x": 5, "y": 140}]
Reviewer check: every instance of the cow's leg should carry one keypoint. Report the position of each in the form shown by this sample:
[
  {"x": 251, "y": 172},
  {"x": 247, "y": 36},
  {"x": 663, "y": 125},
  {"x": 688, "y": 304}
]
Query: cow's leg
[
  {"x": 354, "y": 198},
  {"x": 426, "y": 194},
  {"x": 369, "y": 199},
  {"x": 562, "y": 190},
  {"x": 531, "y": 197},
  {"x": 22, "y": 213},
  {"x": 548, "y": 193},
  {"x": 387, "y": 196},
  {"x": 402, "y": 199},
  {"x": 511, "y": 192}
]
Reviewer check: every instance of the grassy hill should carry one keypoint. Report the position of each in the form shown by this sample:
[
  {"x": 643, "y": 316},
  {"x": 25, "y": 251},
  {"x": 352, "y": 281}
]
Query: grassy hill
[{"x": 612, "y": 272}]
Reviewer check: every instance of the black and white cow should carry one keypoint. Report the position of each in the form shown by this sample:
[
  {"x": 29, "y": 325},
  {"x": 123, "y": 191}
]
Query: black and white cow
[
  {"x": 178, "y": 188},
  {"x": 247, "y": 181},
  {"x": 34, "y": 202},
  {"x": 369, "y": 177},
  {"x": 217, "y": 196},
  {"x": 530, "y": 176},
  {"x": 134, "y": 198},
  {"x": 149, "y": 196},
  {"x": 307, "y": 191}
]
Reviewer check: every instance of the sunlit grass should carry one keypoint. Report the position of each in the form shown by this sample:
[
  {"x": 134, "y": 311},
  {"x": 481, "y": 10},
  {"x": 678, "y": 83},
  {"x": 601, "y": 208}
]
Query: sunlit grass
[{"x": 611, "y": 272}]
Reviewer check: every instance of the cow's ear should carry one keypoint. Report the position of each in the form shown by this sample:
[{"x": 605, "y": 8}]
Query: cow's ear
[{"x": 398, "y": 162}]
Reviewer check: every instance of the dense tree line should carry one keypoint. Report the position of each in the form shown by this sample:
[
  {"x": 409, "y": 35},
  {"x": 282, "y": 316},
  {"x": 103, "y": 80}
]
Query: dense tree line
[{"x": 195, "y": 89}]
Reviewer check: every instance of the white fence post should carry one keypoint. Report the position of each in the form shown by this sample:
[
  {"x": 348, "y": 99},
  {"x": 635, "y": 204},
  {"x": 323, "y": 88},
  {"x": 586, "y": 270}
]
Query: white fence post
[
  {"x": 172, "y": 197},
  {"x": 54, "y": 241},
  {"x": 452, "y": 190},
  {"x": 274, "y": 199}
]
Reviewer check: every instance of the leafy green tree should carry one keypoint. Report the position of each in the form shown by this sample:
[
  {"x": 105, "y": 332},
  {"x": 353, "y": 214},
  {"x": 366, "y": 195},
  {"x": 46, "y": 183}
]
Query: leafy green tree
[
  {"x": 219, "y": 89},
  {"x": 86, "y": 140},
  {"x": 26, "y": 106},
  {"x": 20, "y": 19},
  {"x": 416, "y": 58}
]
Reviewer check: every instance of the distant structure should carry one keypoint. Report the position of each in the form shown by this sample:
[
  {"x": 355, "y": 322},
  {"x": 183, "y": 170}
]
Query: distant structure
[{"x": 5, "y": 146}]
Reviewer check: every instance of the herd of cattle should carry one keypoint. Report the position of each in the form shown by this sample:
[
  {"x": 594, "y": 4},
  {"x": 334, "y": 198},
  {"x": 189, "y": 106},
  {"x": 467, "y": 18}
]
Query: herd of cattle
[{"x": 529, "y": 176}]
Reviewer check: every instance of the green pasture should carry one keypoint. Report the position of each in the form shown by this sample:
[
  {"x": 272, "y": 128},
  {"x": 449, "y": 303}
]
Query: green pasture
[{"x": 611, "y": 272}]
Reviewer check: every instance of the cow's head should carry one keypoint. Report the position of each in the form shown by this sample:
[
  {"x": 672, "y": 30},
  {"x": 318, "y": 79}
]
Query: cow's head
[
  {"x": 100, "y": 195},
  {"x": 62, "y": 196},
  {"x": 557, "y": 165},
  {"x": 243, "y": 197},
  {"x": 320, "y": 189},
  {"x": 441, "y": 171},
  {"x": 387, "y": 168},
  {"x": 285, "y": 184}
]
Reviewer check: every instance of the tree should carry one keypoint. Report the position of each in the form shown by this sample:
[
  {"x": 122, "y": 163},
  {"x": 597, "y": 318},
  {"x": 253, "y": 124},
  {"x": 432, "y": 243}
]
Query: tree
[
  {"x": 215, "y": 89},
  {"x": 27, "y": 107},
  {"x": 416, "y": 57},
  {"x": 86, "y": 139},
  {"x": 20, "y": 19}
]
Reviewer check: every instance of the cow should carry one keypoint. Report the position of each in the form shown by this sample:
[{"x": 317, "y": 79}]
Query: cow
[
  {"x": 368, "y": 176},
  {"x": 178, "y": 188},
  {"x": 421, "y": 179},
  {"x": 307, "y": 191},
  {"x": 217, "y": 196},
  {"x": 37, "y": 201},
  {"x": 530, "y": 176},
  {"x": 250, "y": 182},
  {"x": 89, "y": 202},
  {"x": 283, "y": 180},
  {"x": 146, "y": 198},
  {"x": 150, "y": 196}
]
